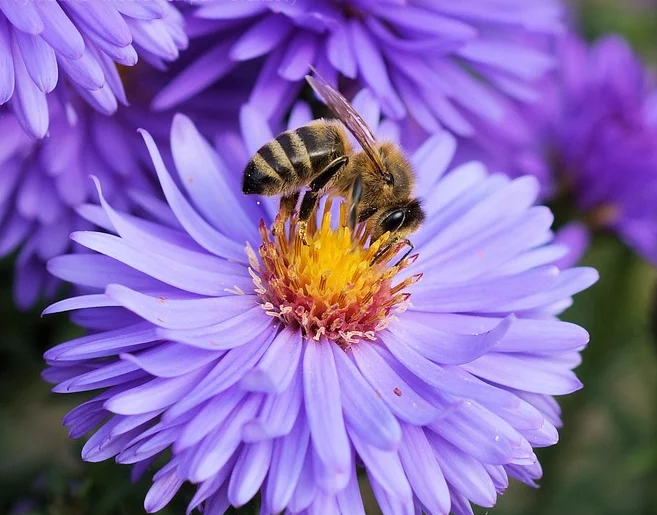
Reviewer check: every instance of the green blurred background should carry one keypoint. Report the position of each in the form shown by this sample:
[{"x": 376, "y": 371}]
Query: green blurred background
[{"x": 605, "y": 464}]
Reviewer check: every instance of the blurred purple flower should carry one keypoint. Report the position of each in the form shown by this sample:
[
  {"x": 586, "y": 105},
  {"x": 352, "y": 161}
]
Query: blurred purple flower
[
  {"x": 592, "y": 138},
  {"x": 43, "y": 181},
  {"x": 441, "y": 63},
  {"x": 84, "y": 39},
  {"x": 441, "y": 402}
]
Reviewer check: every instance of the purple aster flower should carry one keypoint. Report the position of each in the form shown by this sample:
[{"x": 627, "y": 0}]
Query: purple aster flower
[
  {"x": 439, "y": 63},
  {"x": 592, "y": 138},
  {"x": 284, "y": 369},
  {"x": 84, "y": 40}
]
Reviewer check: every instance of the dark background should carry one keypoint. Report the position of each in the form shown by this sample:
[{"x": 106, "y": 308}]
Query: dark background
[{"x": 605, "y": 464}]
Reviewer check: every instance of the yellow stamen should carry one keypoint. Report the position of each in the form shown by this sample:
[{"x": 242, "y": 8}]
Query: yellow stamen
[{"x": 328, "y": 286}]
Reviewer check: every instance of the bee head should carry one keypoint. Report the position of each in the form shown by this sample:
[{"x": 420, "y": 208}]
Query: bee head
[{"x": 400, "y": 220}]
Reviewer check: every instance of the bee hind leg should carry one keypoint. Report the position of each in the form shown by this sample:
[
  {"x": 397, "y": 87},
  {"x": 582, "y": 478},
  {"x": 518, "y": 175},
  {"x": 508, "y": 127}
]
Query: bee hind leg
[
  {"x": 288, "y": 205},
  {"x": 356, "y": 193}
]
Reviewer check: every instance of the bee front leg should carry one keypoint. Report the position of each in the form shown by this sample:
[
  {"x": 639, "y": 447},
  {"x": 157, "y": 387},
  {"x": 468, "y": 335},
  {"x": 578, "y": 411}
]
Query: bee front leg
[{"x": 388, "y": 246}]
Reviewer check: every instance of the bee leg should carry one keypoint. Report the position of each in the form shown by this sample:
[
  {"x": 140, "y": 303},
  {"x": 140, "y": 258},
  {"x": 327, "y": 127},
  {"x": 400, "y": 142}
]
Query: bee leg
[
  {"x": 356, "y": 192},
  {"x": 328, "y": 173},
  {"x": 310, "y": 198},
  {"x": 288, "y": 205},
  {"x": 385, "y": 249}
]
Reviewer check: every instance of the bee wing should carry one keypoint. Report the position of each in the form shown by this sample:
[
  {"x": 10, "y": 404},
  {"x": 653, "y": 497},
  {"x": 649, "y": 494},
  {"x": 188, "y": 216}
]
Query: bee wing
[{"x": 344, "y": 111}]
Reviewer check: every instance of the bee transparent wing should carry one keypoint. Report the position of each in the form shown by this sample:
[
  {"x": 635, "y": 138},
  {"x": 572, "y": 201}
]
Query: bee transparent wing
[{"x": 344, "y": 112}]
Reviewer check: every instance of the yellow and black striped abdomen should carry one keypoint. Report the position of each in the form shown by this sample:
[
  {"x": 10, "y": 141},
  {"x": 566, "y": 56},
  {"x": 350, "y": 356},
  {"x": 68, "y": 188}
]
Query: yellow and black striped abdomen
[{"x": 293, "y": 158}]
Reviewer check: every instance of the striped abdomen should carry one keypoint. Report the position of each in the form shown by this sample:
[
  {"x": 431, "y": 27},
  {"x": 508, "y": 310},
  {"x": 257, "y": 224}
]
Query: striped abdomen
[{"x": 294, "y": 158}]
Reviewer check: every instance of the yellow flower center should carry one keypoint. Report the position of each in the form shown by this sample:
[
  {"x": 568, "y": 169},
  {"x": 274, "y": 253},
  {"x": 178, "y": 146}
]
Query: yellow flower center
[{"x": 333, "y": 285}]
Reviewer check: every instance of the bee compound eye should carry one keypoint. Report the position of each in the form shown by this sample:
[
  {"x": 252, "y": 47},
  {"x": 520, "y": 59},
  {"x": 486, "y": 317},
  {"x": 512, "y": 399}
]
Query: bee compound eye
[{"x": 394, "y": 220}]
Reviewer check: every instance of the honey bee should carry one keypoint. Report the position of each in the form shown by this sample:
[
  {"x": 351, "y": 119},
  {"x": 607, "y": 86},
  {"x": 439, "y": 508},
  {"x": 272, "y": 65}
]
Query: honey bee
[{"x": 319, "y": 156}]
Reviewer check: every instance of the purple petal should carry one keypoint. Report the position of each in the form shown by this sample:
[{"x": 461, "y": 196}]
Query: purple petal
[
  {"x": 423, "y": 471},
  {"x": 465, "y": 474},
  {"x": 24, "y": 15},
  {"x": 249, "y": 472},
  {"x": 6, "y": 64},
  {"x": 102, "y": 19},
  {"x": 29, "y": 102},
  {"x": 402, "y": 400},
  {"x": 385, "y": 467},
  {"x": 261, "y": 38},
  {"x": 275, "y": 370},
  {"x": 171, "y": 359},
  {"x": 39, "y": 60},
  {"x": 323, "y": 407},
  {"x": 446, "y": 347},
  {"x": 287, "y": 460},
  {"x": 197, "y": 228},
  {"x": 162, "y": 491},
  {"x": 365, "y": 412}
]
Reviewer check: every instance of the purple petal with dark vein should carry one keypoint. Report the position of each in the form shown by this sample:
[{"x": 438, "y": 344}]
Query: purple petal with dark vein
[
  {"x": 171, "y": 359},
  {"x": 385, "y": 467},
  {"x": 484, "y": 295},
  {"x": 199, "y": 229},
  {"x": 277, "y": 415},
  {"x": 230, "y": 369},
  {"x": 162, "y": 490},
  {"x": 207, "y": 418},
  {"x": 217, "y": 448},
  {"x": 275, "y": 370},
  {"x": 102, "y": 19},
  {"x": 190, "y": 313},
  {"x": 287, "y": 461},
  {"x": 365, "y": 412},
  {"x": 201, "y": 73},
  {"x": 218, "y": 503},
  {"x": 408, "y": 406},
  {"x": 125, "y": 339},
  {"x": 423, "y": 471},
  {"x": 29, "y": 102},
  {"x": 261, "y": 38},
  {"x": 533, "y": 374},
  {"x": 464, "y": 473},
  {"x": 321, "y": 385},
  {"x": 24, "y": 16},
  {"x": 39, "y": 60},
  {"x": 249, "y": 472},
  {"x": 447, "y": 347}
]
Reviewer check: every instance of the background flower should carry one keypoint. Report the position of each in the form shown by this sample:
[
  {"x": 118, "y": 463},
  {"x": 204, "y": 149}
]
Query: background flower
[
  {"x": 591, "y": 141},
  {"x": 440, "y": 63},
  {"x": 450, "y": 398},
  {"x": 84, "y": 40}
]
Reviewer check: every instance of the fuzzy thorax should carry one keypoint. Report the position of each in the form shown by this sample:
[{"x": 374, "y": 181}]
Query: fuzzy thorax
[{"x": 329, "y": 287}]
